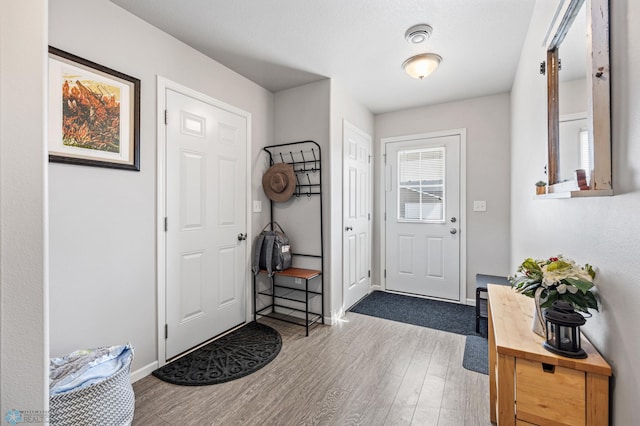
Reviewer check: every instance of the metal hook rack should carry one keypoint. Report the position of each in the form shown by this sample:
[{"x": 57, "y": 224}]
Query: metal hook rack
[
  {"x": 307, "y": 170},
  {"x": 301, "y": 162}
]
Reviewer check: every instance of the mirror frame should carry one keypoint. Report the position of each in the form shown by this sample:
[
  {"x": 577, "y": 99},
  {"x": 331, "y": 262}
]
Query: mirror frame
[{"x": 598, "y": 96}]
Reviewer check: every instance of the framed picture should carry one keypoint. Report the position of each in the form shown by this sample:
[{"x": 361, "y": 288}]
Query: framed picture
[{"x": 94, "y": 114}]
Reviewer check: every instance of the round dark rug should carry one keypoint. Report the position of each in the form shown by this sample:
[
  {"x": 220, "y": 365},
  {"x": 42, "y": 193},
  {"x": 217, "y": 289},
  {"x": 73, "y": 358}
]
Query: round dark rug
[{"x": 235, "y": 355}]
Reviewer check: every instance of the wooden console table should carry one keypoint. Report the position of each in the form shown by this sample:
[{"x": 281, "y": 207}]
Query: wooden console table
[{"x": 530, "y": 385}]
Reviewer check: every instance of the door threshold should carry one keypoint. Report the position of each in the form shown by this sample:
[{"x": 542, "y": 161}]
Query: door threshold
[
  {"x": 358, "y": 301},
  {"x": 206, "y": 342},
  {"x": 422, "y": 296}
]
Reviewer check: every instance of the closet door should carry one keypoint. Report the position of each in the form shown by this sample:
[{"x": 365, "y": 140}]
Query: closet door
[
  {"x": 206, "y": 208},
  {"x": 356, "y": 180}
]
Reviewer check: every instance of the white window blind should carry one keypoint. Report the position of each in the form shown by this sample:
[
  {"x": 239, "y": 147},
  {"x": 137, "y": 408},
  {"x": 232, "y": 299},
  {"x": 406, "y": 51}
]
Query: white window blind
[
  {"x": 421, "y": 185},
  {"x": 585, "y": 155}
]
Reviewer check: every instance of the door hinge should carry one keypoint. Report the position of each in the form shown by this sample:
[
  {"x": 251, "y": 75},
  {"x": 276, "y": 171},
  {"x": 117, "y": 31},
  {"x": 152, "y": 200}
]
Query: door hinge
[
  {"x": 166, "y": 117},
  {"x": 166, "y": 331},
  {"x": 385, "y": 273},
  {"x": 369, "y": 274},
  {"x": 368, "y": 216},
  {"x": 385, "y": 158},
  {"x": 166, "y": 224},
  {"x": 385, "y": 216},
  {"x": 369, "y": 161}
]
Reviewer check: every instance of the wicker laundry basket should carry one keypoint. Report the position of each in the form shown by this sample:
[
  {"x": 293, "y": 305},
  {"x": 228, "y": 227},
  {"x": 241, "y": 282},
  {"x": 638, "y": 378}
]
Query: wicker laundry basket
[{"x": 110, "y": 402}]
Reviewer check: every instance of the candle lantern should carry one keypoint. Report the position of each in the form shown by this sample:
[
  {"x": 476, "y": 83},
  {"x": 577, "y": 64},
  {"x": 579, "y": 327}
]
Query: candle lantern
[{"x": 563, "y": 330}]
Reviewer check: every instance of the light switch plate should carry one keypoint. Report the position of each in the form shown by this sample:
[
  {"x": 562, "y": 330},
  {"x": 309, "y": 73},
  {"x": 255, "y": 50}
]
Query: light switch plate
[
  {"x": 257, "y": 206},
  {"x": 479, "y": 206}
]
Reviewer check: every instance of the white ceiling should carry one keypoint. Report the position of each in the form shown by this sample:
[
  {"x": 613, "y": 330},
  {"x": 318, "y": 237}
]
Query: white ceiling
[{"x": 280, "y": 44}]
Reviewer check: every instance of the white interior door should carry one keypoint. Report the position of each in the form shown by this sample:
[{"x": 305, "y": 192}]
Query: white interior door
[
  {"x": 206, "y": 148},
  {"x": 356, "y": 214},
  {"x": 423, "y": 216}
]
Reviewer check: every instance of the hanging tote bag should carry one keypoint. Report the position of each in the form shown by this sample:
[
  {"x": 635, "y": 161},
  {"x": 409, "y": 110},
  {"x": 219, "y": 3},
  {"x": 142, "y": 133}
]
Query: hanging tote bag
[{"x": 272, "y": 250}]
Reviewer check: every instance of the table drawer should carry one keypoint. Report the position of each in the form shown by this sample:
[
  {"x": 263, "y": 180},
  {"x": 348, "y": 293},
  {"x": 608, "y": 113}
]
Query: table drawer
[{"x": 547, "y": 394}]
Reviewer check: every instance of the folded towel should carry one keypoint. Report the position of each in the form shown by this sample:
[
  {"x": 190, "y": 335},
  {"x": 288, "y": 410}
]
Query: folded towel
[{"x": 85, "y": 367}]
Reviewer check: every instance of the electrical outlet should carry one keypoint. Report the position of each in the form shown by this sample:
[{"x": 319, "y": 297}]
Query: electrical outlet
[
  {"x": 479, "y": 206},
  {"x": 257, "y": 206}
]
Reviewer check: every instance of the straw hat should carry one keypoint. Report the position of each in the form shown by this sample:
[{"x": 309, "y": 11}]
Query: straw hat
[{"x": 279, "y": 182}]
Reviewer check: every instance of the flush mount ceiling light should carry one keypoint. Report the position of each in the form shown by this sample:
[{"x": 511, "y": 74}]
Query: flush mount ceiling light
[
  {"x": 418, "y": 33},
  {"x": 420, "y": 66}
]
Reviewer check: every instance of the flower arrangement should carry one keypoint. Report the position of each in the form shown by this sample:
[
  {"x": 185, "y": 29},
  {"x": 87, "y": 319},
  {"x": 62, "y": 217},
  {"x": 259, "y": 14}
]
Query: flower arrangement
[{"x": 557, "y": 278}]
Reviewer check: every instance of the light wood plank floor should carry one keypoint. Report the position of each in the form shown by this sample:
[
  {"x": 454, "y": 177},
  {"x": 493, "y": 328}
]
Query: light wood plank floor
[{"x": 364, "y": 371}]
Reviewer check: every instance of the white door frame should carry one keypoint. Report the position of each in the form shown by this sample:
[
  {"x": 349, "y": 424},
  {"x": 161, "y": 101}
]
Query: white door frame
[
  {"x": 462, "y": 133},
  {"x": 346, "y": 124},
  {"x": 162, "y": 85}
]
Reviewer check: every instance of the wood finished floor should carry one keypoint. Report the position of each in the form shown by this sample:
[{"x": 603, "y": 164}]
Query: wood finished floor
[{"x": 364, "y": 371}]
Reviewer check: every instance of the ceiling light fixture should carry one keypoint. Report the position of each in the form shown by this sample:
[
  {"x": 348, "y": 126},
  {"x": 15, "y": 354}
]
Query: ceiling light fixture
[
  {"x": 420, "y": 66},
  {"x": 418, "y": 33}
]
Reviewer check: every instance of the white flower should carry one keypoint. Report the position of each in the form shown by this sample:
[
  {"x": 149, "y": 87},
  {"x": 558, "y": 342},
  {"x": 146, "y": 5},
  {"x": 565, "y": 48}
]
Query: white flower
[
  {"x": 581, "y": 274},
  {"x": 550, "y": 278},
  {"x": 556, "y": 276}
]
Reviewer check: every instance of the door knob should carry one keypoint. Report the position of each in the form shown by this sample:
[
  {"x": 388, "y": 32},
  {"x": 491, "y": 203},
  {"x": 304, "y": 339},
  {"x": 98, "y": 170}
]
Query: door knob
[
  {"x": 242, "y": 237},
  {"x": 453, "y": 219},
  {"x": 453, "y": 230},
  {"x": 348, "y": 228}
]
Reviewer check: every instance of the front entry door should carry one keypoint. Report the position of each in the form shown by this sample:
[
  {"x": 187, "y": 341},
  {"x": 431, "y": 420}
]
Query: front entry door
[
  {"x": 422, "y": 216},
  {"x": 206, "y": 174},
  {"x": 356, "y": 214}
]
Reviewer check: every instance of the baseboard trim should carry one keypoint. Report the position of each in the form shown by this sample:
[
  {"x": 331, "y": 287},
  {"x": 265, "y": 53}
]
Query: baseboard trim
[
  {"x": 143, "y": 372},
  {"x": 471, "y": 302},
  {"x": 330, "y": 321}
]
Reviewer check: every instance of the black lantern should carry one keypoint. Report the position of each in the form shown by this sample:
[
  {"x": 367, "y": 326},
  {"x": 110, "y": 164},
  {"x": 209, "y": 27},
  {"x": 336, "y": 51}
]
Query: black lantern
[{"x": 563, "y": 330}]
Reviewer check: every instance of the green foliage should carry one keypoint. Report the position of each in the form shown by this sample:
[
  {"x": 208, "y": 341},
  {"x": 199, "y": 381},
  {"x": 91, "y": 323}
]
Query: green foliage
[{"x": 583, "y": 286}]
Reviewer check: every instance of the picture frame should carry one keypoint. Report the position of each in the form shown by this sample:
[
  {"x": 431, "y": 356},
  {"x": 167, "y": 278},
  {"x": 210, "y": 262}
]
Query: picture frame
[{"x": 94, "y": 114}]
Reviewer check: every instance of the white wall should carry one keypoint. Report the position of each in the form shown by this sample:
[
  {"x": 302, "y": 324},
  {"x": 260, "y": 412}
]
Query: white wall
[
  {"x": 316, "y": 111},
  {"x": 103, "y": 222},
  {"x": 573, "y": 96},
  {"x": 603, "y": 231},
  {"x": 300, "y": 114},
  {"x": 487, "y": 122},
  {"x": 24, "y": 331}
]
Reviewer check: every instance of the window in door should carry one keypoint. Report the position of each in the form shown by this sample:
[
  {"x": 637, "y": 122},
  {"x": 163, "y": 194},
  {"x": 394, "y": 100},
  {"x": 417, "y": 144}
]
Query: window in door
[{"x": 421, "y": 192}]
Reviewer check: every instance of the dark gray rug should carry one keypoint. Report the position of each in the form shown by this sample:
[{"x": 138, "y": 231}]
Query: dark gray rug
[
  {"x": 231, "y": 357},
  {"x": 445, "y": 316},
  {"x": 476, "y": 354}
]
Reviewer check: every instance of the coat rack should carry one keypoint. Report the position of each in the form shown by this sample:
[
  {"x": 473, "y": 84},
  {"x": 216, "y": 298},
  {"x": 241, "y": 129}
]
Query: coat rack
[{"x": 306, "y": 159}]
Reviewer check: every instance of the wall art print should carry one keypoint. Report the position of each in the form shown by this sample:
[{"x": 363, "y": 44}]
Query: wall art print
[{"x": 94, "y": 114}]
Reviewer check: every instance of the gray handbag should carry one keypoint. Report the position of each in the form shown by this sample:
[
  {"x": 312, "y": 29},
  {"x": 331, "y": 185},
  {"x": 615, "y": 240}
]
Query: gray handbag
[{"x": 272, "y": 250}]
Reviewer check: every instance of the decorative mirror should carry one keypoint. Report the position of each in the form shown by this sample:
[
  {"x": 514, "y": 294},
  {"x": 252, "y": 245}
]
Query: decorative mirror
[{"x": 578, "y": 81}]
